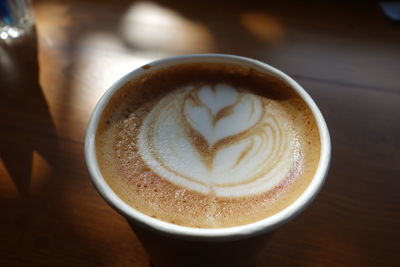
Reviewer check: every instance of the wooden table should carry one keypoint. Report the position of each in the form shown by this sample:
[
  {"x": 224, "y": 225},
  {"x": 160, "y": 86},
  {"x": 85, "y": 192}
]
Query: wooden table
[{"x": 346, "y": 55}]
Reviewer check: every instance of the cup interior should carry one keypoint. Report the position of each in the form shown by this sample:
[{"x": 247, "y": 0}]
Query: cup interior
[{"x": 218, "y": 234}]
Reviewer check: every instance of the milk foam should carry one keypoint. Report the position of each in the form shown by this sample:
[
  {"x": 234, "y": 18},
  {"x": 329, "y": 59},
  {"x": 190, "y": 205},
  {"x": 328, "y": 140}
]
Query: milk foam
[{"x": 220, "y": 140}]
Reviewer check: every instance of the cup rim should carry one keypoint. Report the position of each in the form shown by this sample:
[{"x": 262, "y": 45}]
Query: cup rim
[{"x": 216, "y": 234}]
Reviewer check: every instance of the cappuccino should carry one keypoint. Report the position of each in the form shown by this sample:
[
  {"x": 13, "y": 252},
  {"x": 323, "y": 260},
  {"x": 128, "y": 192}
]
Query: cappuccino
[{"x": 207, "y": 145}]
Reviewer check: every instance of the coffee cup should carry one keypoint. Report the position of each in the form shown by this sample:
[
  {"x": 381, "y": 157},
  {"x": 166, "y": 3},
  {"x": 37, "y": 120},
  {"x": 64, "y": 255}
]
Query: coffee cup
[{"x": 231, "y": 242}]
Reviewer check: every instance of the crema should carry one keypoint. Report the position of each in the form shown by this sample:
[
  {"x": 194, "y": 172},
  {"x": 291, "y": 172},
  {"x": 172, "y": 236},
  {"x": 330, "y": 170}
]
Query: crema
[{"x": 207, "y": 144}]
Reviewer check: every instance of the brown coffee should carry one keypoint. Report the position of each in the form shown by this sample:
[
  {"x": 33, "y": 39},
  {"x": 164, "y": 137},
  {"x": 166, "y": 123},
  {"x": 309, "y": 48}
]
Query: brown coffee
[{"x": 207, "y": 145}]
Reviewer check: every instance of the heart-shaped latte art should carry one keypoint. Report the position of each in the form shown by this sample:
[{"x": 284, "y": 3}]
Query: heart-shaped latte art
[
  {"x": 220, "y": 112},
  {"x": 219, "y": 139}
]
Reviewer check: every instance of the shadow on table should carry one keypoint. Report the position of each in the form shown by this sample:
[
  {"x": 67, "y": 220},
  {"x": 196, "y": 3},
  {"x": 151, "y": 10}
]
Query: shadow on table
[
  {"x": 24, "y": 110},
  {"x": 35, "y": 226}
]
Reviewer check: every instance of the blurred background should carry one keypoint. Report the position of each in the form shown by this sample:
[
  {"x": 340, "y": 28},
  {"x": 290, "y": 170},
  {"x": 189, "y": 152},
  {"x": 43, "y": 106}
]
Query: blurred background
[{"x": 346, "y": 54}]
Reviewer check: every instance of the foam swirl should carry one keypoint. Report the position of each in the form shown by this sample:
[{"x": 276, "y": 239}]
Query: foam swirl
[{"x": 220, "y": 140}]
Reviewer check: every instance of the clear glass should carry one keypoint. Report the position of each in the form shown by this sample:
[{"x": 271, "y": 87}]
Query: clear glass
[{"x": 16, "y": 18}]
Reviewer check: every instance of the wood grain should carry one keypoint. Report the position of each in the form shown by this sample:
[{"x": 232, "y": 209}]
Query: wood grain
[{"x": 346, "y": 55}]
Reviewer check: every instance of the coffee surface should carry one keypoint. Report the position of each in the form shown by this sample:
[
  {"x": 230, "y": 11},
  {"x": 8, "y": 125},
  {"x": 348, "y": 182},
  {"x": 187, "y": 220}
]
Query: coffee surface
[{"x": 207, "y": 144}]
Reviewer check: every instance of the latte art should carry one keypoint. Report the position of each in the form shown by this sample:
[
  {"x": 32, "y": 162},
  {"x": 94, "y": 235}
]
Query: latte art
[
  {"x": 221, "y": 140},
  {"x": 207, "y": 145}
]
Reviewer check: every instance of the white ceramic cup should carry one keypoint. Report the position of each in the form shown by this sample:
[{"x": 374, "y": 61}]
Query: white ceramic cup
[{"x": 140, "y": 221}]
